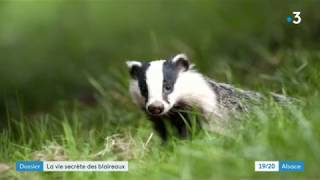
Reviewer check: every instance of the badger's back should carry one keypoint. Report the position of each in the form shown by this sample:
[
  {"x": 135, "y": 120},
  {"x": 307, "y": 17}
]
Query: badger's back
[{"x": 235, "y": 99}]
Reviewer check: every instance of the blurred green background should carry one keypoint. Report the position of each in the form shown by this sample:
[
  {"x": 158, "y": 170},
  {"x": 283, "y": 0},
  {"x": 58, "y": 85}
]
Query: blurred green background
[{"x": 48, "y": 49}]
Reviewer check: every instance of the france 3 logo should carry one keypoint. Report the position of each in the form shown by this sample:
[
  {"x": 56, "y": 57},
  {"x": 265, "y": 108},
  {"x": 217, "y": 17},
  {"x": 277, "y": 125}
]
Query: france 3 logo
[{"x": 295, "y": 18}]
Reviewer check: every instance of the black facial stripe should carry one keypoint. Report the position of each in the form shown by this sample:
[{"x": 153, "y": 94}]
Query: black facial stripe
[
  {"x": 141, "y": 77},
  {"x": 170, "y": 74}
]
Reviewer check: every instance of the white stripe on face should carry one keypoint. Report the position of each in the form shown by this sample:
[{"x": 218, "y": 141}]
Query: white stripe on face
[{"x": 154, "y": 79}]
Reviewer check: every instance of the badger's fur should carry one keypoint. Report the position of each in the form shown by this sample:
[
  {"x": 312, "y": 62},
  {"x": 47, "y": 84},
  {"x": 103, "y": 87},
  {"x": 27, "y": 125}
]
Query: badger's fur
[{"x": 164, "y": 89}]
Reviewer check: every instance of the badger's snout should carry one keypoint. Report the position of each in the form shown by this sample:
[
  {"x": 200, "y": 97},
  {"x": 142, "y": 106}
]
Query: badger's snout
[{"x": 155, "y": 108}]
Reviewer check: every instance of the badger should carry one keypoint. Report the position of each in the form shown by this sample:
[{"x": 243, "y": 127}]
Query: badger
[{"x": 166, "y": 89}]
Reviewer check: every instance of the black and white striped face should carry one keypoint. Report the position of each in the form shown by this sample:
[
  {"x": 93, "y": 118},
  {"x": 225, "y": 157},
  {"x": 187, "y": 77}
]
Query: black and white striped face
[{"x": 153, "y": 83}]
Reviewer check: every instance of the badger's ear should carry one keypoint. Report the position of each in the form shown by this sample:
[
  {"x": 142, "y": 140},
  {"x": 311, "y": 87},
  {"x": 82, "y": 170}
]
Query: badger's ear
[
  {"x": 134, "y": 67},
  {"x": 181, "y": 61}
]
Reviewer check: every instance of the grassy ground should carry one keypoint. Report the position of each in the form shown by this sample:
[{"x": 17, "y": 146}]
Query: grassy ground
[{"x": 115, "y": 130}]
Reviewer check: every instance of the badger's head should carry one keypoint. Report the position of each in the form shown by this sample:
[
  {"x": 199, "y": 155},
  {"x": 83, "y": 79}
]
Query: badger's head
[{"x": 152, "y": 84}]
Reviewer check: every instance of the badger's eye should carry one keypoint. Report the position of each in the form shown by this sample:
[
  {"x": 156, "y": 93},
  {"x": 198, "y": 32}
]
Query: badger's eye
[{"x": 167, "y": 87}]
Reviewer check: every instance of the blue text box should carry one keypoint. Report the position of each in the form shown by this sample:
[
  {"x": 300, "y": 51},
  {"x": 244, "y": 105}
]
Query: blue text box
[
  {"x": 292, "y": 166},
  {"x": 29, "y": 166}
]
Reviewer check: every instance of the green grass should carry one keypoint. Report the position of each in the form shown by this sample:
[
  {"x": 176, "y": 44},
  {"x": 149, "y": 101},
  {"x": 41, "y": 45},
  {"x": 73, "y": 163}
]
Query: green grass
[{"x": 116, "y": 130}]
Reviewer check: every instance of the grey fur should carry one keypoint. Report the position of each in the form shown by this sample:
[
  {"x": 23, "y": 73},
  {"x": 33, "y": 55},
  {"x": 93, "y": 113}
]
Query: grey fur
[{"x": 231, "y": 98}]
